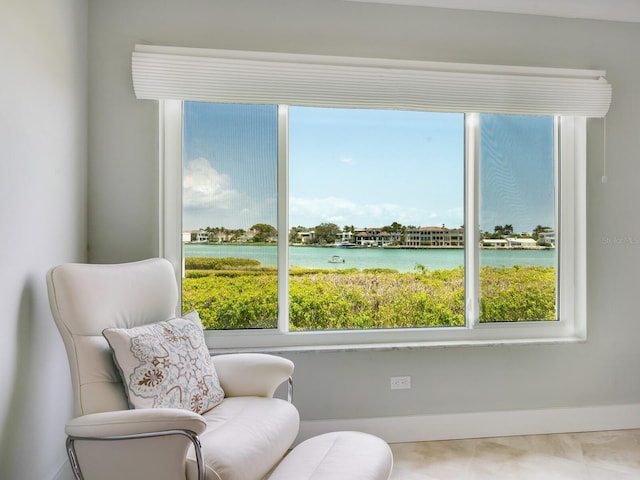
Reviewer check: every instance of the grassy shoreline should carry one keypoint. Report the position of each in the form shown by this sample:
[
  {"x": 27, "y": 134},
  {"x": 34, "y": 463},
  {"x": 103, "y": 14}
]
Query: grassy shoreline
[{"x": 236, "y": 293}]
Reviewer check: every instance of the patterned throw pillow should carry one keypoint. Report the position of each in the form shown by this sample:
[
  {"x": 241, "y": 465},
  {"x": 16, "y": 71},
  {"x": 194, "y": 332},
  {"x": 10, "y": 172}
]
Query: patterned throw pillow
[{"x": 166, "y": 364}]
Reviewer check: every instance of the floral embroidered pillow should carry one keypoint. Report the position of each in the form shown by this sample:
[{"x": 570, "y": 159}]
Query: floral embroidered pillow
[{"x": 166, "y": 364}]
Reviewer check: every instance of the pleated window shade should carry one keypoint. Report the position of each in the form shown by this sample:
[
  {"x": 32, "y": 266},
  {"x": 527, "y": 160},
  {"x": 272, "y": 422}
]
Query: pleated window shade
[{"x": 324, "y": 81}]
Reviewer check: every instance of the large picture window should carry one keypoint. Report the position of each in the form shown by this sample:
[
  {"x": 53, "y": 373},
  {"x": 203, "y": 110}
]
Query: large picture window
[{"x": 348, "y": 221}]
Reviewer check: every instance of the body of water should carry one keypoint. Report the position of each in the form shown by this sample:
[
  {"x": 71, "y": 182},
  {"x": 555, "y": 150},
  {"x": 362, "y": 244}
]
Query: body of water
[{"x": 403, "y": 260}]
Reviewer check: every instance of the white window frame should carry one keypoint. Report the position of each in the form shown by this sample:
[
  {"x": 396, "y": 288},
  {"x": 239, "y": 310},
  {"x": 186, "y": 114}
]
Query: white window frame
[{"x": 571, "y": 242}]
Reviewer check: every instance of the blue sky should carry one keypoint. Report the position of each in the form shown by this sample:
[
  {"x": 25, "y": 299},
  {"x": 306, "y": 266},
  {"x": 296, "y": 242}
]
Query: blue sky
[
  {"x": 516, "y": 172},
  {"x": 366, "y": 168},
  {"x": 369, "y": 168},
  {"x": 229, "y": 165}
]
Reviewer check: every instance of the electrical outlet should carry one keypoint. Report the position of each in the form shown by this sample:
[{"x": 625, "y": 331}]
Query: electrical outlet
[{"x": 401, "y": 383}]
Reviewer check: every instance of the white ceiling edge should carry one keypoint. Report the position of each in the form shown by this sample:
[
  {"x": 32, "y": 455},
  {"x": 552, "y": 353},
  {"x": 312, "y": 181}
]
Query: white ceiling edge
[{"x": 611, "y": 10}]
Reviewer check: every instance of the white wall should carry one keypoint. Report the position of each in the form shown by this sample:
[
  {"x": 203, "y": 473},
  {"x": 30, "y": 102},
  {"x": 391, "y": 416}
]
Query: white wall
[
  {"x": 43, "y": 138},
  {"x": 123, "y": 195}
]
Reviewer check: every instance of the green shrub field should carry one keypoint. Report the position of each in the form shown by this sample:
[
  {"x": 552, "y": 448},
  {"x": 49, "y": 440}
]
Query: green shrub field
[{"x": 238, "y": 293}]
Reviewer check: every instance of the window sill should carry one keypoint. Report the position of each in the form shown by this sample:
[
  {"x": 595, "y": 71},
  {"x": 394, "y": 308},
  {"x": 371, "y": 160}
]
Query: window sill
[{"x": 397, "y": 345}]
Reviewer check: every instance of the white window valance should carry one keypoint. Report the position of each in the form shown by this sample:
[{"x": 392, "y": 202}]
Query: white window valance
[{"x": 312, "y": 80}]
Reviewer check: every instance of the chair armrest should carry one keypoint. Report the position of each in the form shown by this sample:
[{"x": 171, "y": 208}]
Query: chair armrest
[
  {"x": 133, "y": 422},
  {"x": 251, "y": 374}
]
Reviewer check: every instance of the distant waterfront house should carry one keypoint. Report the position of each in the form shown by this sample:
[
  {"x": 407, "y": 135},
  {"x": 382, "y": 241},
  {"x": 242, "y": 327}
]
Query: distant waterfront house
[
  {"x": 435, "y": 237},
  {"x": 221, "y": 237},
  {"x": 509, "y": 242},
  {"x": 547, "y": 237},
  {"x": 202, "y": 236},
  {"x": 397, "y": 238},
  {"x": 370, "y": 237},
  {"x": 343, "y": 238},
  {"x": 195, "y": 236},
  {"x": 415, "y": 237},
  {"x": 521, "y": 242},
  {"x": 305, "y": 237},
  {"x": 495, "y": 242},
  {"x": 376, "y": 237}
]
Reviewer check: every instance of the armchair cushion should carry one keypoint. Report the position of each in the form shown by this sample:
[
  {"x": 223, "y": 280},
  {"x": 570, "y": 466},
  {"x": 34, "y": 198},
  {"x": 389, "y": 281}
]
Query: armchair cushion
[
  {"x": 166, "y": 364},
  {"x": 247, "y": 436}
]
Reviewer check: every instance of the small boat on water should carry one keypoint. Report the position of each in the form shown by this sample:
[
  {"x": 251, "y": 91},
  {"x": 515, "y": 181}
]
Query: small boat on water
[{"x": 336, "y": 259}]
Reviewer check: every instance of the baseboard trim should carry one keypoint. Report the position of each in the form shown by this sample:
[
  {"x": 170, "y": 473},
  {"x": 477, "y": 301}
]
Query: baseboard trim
[
  {"x": 63, "y": 472},
  {"x": 419, "y": 428}
]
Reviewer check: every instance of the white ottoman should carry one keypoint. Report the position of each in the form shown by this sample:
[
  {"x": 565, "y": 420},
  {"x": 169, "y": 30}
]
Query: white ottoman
[{"x": 337, "y": 456}]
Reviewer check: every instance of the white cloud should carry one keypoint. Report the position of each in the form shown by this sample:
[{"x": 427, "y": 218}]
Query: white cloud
[
  {"x": 205, "y": 187},
  {"x": 313, "y": 211},
  {"x": 319, "y": 204},
  {"x": 210, "y": 199},
  {"x": 324, "y": 208}
]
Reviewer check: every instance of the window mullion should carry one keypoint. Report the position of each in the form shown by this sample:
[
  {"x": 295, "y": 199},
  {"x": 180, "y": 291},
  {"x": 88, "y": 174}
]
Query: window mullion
[
  {"x": 570, "y": 192},
  {"x": 283, "y": 218},
  {"x": 559, "y": 216},
  {"x": 472, "y": 243},
  {"x": 571, "y": 239}
]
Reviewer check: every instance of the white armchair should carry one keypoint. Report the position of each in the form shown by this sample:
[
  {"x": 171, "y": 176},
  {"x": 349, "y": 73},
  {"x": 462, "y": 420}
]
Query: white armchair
[{"x": 242, "y": 438}]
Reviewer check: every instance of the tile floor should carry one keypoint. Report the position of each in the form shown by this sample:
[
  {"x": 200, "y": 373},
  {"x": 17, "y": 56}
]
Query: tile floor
[{"x": 569, "y": 456}]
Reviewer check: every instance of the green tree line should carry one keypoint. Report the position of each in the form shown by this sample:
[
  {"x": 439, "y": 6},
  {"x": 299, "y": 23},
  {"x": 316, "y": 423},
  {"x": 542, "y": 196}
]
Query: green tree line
[{"x": 325, "y": 233}]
